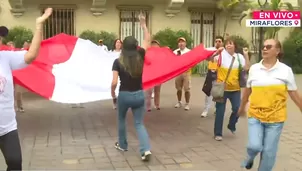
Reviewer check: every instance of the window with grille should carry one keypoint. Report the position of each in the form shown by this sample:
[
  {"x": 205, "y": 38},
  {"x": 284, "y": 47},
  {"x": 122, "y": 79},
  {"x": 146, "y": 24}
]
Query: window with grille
[
  {"x": 203, "y": 28},
  {"x": 202, "y": 31},
  {"x": 62, "y": 20},
  {"x": 130, "y": 25}
]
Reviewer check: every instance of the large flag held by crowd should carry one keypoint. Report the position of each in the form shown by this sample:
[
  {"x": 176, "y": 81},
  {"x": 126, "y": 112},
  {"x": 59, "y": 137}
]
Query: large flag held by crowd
[{"x": 69, "y": 69}]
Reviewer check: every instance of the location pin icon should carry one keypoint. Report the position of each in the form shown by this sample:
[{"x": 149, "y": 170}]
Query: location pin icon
[{"x": 296, "y": 22}]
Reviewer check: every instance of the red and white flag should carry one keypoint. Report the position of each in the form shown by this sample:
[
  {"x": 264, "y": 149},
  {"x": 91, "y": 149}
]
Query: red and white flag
[{"x": 72, "y": 70}]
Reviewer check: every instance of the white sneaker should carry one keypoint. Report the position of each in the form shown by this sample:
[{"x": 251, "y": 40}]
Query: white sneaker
[
  {"x": 187, "y": 107},
  {"x": 178, "y": 105},
  {"x": 204, "y": 114},
  {"x": 146, "y": 156}
]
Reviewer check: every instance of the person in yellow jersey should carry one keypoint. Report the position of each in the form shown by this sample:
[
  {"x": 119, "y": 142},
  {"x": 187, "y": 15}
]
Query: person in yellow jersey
[
  {"x": 183, "y": 81},
  {"x": 268, "y": 84},
  {"x": 211, "y": 76},
  {"x": 229, "y": 59}
]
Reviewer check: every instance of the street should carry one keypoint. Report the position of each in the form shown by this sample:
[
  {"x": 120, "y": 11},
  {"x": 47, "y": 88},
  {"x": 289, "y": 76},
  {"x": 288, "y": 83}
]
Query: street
[{"x": 57, "y": 137}]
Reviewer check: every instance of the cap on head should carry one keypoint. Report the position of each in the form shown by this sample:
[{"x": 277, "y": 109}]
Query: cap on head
[
  {"x": 130, "y": 43},
  {"x": 181, "y": 39},
  {"x": 3, "y": 31},
  {"x": 101, "y": 41},
  {"x": 155, "y": 41}
]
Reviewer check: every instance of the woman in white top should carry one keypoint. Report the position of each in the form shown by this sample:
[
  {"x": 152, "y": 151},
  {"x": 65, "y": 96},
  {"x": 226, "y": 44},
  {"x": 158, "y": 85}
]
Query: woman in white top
[
  {"x": 117, "y": 48},
  {"x": 9, "y": 61},
  {"x": 117, "y": 45}
]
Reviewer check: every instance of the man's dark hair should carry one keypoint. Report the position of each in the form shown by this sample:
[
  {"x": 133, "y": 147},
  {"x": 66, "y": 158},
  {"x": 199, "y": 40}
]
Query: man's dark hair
[{"x": 220, "y": 37}]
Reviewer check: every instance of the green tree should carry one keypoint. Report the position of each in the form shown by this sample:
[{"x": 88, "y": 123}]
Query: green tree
[
  {"x": 292, "y": 47},
  {"x": 19, "y": 35},
  {"x": 108, "y": 38},
  {"x": 168, "y": 37},
  {"x": 272, "y": 5}
]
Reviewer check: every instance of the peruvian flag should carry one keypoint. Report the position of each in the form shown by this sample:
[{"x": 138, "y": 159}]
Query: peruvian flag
[{"x": 72, "y": 70}]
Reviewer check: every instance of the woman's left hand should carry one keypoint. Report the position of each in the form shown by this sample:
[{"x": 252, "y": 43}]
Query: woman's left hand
[
  {"x": 40, "y": 20},
  {"x": 142, "y": 19},
  {"x": 113, "y": 95}
]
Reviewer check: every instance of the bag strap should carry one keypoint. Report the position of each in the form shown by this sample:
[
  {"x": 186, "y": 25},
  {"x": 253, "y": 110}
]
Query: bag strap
[
  {"x": 238, "y": 59},
  {"x": 230, "y": 68}
]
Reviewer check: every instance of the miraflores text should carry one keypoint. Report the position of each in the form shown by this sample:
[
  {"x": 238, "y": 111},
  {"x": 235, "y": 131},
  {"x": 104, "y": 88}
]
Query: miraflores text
[{"x": 272, "y": 23}]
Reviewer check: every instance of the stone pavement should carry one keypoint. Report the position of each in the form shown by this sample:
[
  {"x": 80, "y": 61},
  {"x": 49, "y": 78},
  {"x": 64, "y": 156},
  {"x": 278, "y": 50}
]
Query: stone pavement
[{"x": 57, "y": 137}]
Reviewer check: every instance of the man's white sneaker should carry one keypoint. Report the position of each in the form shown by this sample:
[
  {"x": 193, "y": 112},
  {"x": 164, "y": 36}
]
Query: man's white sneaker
[
  {"x": 146, "y": 156},
  {"x": 204, "y": 114},
  {"x": 187, "y": 107},
  {"x": 178, "y": 105}
]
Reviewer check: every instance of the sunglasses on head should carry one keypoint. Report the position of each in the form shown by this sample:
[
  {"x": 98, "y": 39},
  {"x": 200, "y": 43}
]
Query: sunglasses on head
[{"x": 268, "y": 47}]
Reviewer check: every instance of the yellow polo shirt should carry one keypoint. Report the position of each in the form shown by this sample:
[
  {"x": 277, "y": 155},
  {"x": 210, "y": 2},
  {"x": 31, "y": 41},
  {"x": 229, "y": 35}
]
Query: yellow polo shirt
[
  {"x": 212, "y": 65},
  {"x": 269, "y": 91},
  {"x": 232, "y": 84},
  {"x": 185, "y": 50}
]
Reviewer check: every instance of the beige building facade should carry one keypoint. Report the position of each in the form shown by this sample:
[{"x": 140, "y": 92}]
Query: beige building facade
[{"x": 200, "y": 17}]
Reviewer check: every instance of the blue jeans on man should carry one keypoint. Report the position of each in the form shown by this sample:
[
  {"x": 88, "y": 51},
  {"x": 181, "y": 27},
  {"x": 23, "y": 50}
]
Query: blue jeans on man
[
  {"x": 235, "y": 98},
  {"x": 135, "y": 101},
  {"x": 262, "y": 138}
]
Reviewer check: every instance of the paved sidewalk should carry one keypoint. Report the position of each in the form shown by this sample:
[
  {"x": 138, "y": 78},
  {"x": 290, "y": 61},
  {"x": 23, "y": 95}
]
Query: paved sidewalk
[{"x": 57, "y": 137}]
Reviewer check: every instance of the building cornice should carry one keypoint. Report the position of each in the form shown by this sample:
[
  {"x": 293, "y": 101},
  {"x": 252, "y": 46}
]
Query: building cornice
[{"x": 17, "y": 8}]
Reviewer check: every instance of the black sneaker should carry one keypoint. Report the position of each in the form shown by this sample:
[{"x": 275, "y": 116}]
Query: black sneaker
[
  {"x": 117, "y": 146},
  {"x": 146, "y": 156},
  {"x": 232, "y": 131},
  {"x": 249, "y": 165}
]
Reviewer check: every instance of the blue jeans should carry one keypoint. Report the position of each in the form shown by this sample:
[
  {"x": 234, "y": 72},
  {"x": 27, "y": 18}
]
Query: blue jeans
[
  {"x": 235, "y": 98},
  {"x": 135, "y": 101},
  {"x": 263, "y": 138}
]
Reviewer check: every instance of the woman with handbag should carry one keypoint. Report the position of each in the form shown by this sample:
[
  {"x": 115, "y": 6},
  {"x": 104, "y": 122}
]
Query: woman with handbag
[
  {"x": 210, "y": 77},
  {"x": 228, "y": 86},
  {"x": 268, "y": 84}
]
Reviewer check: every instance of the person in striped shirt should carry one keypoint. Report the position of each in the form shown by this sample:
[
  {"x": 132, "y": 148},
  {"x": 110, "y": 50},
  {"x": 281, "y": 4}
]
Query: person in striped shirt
[{"x": 268, "y": 84}]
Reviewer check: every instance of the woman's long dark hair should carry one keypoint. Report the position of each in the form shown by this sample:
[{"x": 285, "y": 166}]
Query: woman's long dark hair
[
  {"x": 133, "y": 63},
  {"x": 114, "y": 43}
]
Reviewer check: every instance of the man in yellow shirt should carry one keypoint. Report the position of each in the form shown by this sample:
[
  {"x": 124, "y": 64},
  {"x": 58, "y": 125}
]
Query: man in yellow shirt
[
  {"x": 211, "y": 76},
  {"x": 183, "y": 81}
]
